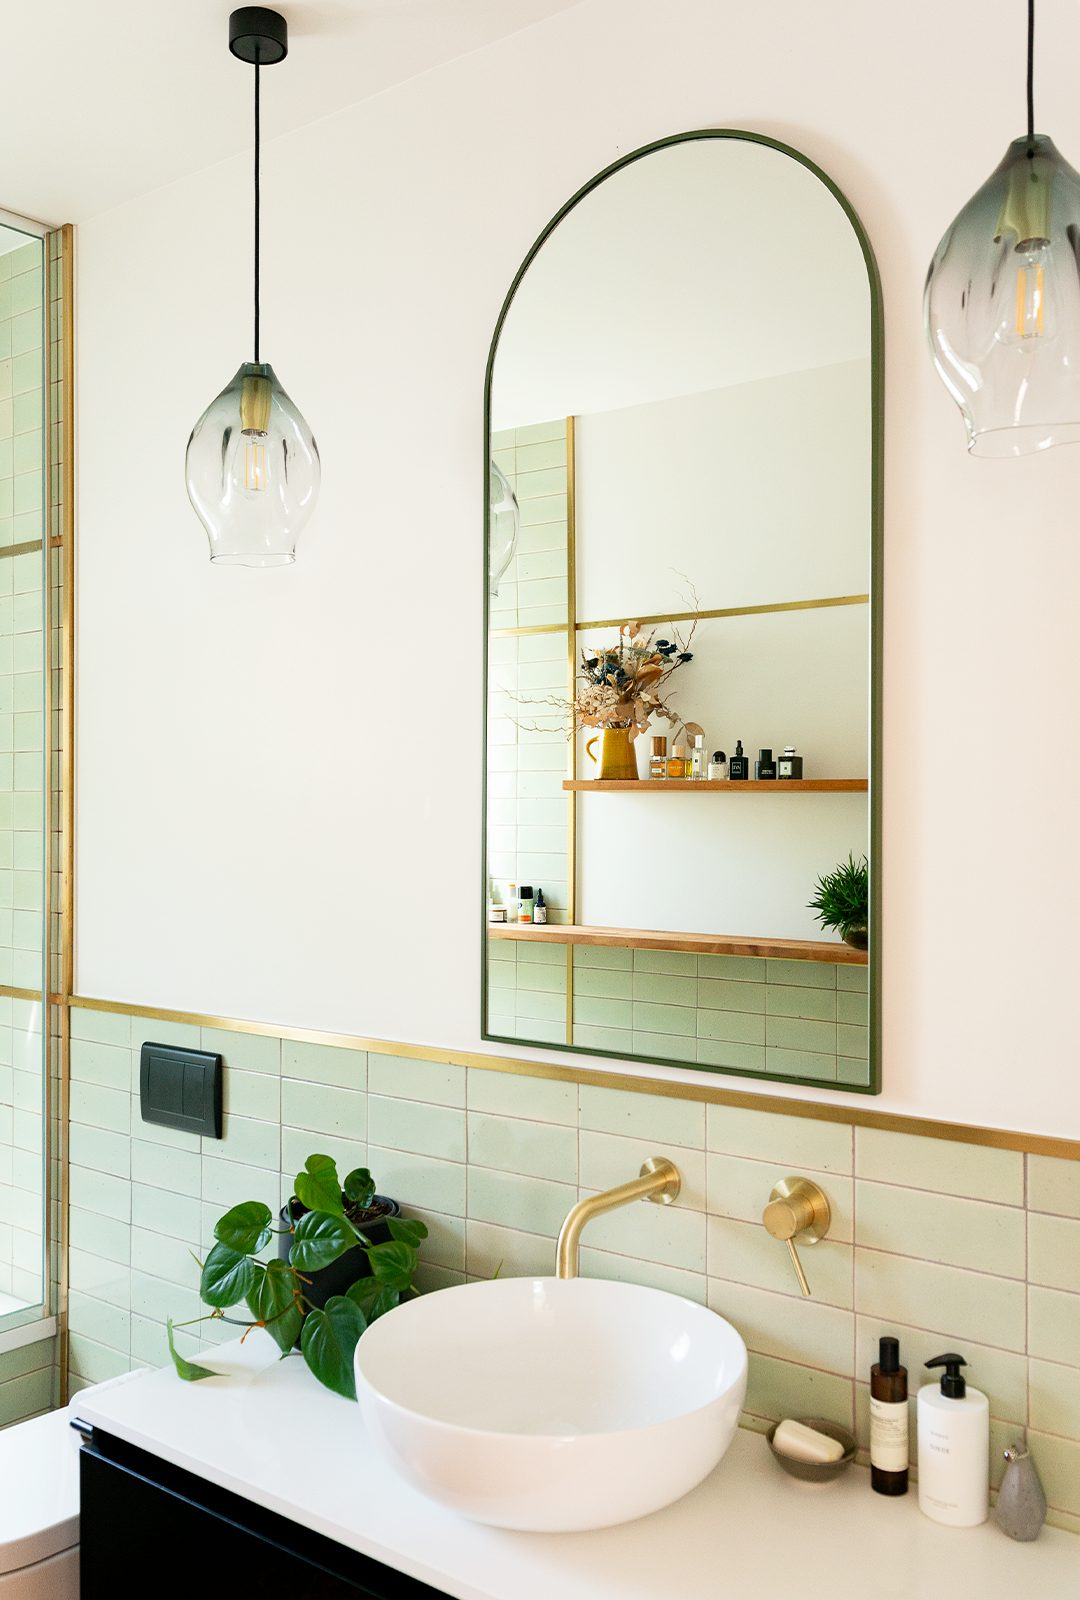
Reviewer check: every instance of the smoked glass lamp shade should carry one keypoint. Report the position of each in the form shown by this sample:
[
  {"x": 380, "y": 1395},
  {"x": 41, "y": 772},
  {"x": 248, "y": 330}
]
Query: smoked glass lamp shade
[
  {"x": 1002, "y": 305},
  {"x": 504, "y": 520},
  {"x": 253, "y": 471}
]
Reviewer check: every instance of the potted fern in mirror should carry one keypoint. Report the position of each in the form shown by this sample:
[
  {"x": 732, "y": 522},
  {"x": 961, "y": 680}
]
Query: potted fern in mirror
[
  {"x": 842, "y": 901},
  {"x": 346, "y": 1257}
]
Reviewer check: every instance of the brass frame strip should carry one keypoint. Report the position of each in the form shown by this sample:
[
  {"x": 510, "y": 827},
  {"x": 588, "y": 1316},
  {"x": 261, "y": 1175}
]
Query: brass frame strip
[
  {"x": 67, "y": 794},
  {"x": 693, "y": 616},
  {"x": 29, "y": 545},
  {"x": 665, "y": 1088},
  {"x": 571, "y": 670}
]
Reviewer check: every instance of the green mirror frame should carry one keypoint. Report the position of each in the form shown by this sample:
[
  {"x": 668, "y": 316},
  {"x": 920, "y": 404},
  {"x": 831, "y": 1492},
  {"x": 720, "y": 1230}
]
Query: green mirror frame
[{"x": 877, "y": 395}]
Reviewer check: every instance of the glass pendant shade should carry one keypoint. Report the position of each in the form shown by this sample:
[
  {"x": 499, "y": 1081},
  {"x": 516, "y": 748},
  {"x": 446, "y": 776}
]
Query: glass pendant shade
[
  {"x": 253, "y": 471},
  {"x": 1002, "y": 305},
  {"x": 504, "y": 520}
]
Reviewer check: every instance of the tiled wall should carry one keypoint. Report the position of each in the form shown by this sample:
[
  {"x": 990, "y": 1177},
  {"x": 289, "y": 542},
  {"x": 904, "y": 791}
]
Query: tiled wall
[
  {"x": 787, "y": 1019},
  {"x": 27, "y": 1381},
  {"x": 945, "y": 1243},
  {"x": 527, "y": 745}
]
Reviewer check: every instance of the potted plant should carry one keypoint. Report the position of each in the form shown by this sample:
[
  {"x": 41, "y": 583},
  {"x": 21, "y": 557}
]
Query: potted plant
[
  {"x": 297, "y": 1297},
  {"x": 842, "y": 901}
]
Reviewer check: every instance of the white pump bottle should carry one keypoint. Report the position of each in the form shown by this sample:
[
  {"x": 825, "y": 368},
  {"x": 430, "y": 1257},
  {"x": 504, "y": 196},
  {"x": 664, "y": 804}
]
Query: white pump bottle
[{"x": 953, "y": 1422}]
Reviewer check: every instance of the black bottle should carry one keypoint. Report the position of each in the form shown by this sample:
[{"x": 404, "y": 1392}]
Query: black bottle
[
  {"x": 888, "y": 1421},
  {"x": 739, "y": 765},
  {"x": 789, "y": 764},
  {"x": 764, "y": 766}
]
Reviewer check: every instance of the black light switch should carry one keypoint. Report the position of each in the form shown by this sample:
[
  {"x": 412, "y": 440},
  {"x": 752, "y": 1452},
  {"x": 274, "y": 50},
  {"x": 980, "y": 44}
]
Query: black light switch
[{"x": 181, "y": 1088}]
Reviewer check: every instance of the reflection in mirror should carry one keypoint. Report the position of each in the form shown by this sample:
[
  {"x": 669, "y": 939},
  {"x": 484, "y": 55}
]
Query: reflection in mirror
[
  {"x": 24, "y": 562},
  {"x": 682, "y": 410}
]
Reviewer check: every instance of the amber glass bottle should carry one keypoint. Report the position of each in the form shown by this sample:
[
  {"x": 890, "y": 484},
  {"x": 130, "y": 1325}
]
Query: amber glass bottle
[{"x": 888, "y": 1421}]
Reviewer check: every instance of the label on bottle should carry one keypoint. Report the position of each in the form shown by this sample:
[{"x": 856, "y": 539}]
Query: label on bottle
[
  {"x": 540, "y": 913},
  {"x": 889, "y": 1435}
]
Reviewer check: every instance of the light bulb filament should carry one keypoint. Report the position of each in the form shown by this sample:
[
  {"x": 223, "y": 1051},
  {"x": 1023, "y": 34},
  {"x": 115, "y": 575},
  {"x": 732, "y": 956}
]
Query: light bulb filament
[
  {"x": 255, "y": 473},
  {"x": 1030, "y": 302}
]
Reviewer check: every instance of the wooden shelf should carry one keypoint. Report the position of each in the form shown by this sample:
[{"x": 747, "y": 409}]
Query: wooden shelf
[
  {"x": 730, "y": 786},
  {"x": 706, "y": 944}
]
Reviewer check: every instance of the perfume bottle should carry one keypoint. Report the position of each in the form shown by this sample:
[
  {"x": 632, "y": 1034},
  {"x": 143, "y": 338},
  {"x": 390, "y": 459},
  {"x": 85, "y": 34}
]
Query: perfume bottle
[
  {"x": 658, "y": 759},
  {"x": 739, "y": 765},
  {"x": 789, "y": 765},
  {"x": 764, "y": 766},
  {"x": 697, "y": 757},
  {"x": 718, "y": 768},
  {"x": 678, "y": 766}
]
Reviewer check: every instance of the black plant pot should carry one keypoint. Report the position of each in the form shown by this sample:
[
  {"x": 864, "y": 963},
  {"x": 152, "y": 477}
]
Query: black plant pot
[
  {"x": 857, "y": 938},
  {"x": 341, "y": 1274}
]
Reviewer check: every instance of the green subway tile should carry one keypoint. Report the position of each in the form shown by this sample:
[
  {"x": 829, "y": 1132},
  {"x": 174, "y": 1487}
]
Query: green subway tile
[
  {"x": 597, "y": 1013},
  {"x": 936, "y": 1227},
  {"x": 725, "y": 994},
  {"x": 252, "y": 1094},
  {"x": 796, "y": 1000},
  {"x": 1054, "y": 1244},
  {"x": 249, "y": 1052},
  {"x": 852, "y": 1008},
  {"x": 162, "y": 1167},
  {"x": 491, "y": 1250},
  {"x": 730, "y": 1054},
  {"x": 793, "y": 1142},
  {"x": 1057, "y": 1462},
  {"x": 224, "y": 1183},
  {"x": 104, "y": 1279},
  {"x": 741, "y": 968},
  {"x": 421, "y": 1180},
  {"x": 26, "y": 1396},
  {"x": 665, "y": 988},
  {"x": 178, "y": 1216},
  {"x": 800, "y": 1064},
  {"x": 101, "y": 1192},
  {"x": 101, "y": 1150},
  {"x": 541, "y": 955},
  {"x": 777, "y": 1389},
  {"x": 535, "y": 1149},
  {"x": 445, "y": 1242},
  {"x": 537, "y": 1005},
  {"x": 1054, "y": 1398},
  {"x": 671, "y": 1235},
  {"x": 321, "y": 1063},
  {"x": 550, "y": 979},
  {"x": 105, "y": 1064},
  {"x": 803, "y": 974},
  {"x": 650, "y": 1274},
  {"x": 738, "y": 1027},
  {"x": 676, "y": 963},
  {"x": 103, "y": 1236},
  {"x": 1054, "y": 1185},
  {"x": 347, "y": 1154},
  {"x": 742, "y": 1252},
  {"x": 608, "y": 1159},
  {"x": 512, "y": 1095},
  {"x": 851, "y": 1070},
  {"x": 1000, "y": 1374},
  {"x": 653, "y": 1018},
  {"x": 109, "y": 1109},
  {"x": 740, "y": 1188},
  {"x": 93, "y": 1361},
  {"x": 411, "y": 1079},
  {"x": 604, "y": 983},
  {"x": 852, "y": 1042},
  {"x": 919, "y": 1292},
  {"x": 664, "y": 1047},
  {"x": 617, "y": 1041},
  {"x": 647, "y": 1116},
  {"x": 855, "y": 979},
  {"x": 502, "y": 975},
  {"x": 1053, "y": 1325},
  {"x": 541, "y": 432},
  {"x": 788, "y": 1328},
  {"x": 794, "y": 1033},
  {"x": 323, "y": 1109},
  {"x": 511, "y": 1200},
  {"x": 536, "y": 1031},
  {"x": 946, "y": 1165},
  {"x": 248, "y": 1140},
  {"x": 102, "y": 1027}
]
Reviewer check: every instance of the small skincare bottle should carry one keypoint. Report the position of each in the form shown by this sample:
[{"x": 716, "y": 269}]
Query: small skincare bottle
[
  {"x": 697, "y": 757},
  {"x": 525, "y": 903},
  {"x": 678, "y": 766},
  {"x": 540, "y": 907},
  {"x": 658, "y": 759},
  {"x": 718, "y": 767},
  {"x": 789, "y": 764},
  {"x": 953, "y": 1425},
  {"x": 888, "y": 1421},
  {"x": 739, "y": 765},
  {"x": 764, "y": 766},
  {"x": 510, "y": 900}
]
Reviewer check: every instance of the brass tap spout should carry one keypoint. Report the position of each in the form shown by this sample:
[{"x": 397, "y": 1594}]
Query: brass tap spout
[{"x": 660, "y": 1181}]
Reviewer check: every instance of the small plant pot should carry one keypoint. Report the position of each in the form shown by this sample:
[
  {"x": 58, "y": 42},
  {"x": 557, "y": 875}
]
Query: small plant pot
[
  {"x": 858, "y": 938},
  {"x": 348, "y": 1269}
]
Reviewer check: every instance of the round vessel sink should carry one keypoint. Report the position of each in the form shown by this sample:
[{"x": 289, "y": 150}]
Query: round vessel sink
[{"x": 552, "y": 1404}]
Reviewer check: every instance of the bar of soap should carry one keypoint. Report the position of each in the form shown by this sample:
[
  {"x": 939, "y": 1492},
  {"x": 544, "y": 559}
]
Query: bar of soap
[{"x": 801, "y": 1443}]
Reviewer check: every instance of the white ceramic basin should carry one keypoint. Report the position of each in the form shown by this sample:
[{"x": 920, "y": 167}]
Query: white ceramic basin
[{"x": 551, "y": 1405}]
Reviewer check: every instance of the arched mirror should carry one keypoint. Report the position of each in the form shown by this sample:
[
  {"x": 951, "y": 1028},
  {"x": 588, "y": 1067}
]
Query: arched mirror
[{"x": 683, "y": 524}]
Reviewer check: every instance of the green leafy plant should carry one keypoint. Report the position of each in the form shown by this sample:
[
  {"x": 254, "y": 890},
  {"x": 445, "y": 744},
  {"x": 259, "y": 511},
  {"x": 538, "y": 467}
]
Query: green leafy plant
[
  {"x": 332, "y": 1222},
  {"x": 842, "y": 900}
]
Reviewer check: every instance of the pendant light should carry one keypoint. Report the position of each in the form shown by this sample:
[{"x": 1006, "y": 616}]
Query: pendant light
[
  {"x": 1002, "y": 302},
  {"x": 252, "y": 465},
  {"x": 504, "y": 522}
]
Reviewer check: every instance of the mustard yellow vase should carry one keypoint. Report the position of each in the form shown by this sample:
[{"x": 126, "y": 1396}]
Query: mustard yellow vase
[{"x": 617, "y": 758}]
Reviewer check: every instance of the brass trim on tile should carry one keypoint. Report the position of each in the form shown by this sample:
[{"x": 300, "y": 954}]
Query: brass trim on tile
[
  {"x": 29, "y": 545},
  {"x": 665, "y": 1088},
  {"x": 67, "y": 790},
  {"x": 520, "y": 633},
  {"x": 733, "y": 611}
]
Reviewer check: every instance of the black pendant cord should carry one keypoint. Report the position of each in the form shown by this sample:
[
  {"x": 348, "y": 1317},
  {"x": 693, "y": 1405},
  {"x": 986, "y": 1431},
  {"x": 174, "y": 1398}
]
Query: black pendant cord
[
  {"x": 1030, "y": 77},
  {"x": 257, "y": 208}
]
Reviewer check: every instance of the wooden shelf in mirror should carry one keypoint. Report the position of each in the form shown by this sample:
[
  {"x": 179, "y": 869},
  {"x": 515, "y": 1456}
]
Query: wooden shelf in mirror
[
  {"x": 704, "y": 944},
  {"x": 774, "y": 785}
]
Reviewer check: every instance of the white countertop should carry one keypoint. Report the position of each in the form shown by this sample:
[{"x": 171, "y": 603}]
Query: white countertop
[{"x": 269, "y": 1432}]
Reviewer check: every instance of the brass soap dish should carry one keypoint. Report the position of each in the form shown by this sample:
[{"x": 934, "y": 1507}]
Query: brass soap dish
[{"x": 816, "y": 1471}]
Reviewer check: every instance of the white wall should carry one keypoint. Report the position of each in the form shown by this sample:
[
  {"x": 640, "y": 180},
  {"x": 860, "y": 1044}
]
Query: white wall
[{"x": 252, "y": 839}]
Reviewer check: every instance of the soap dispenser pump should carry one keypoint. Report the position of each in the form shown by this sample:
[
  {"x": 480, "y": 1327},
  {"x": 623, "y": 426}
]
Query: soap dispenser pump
[{"x": 953, "y": 1421}]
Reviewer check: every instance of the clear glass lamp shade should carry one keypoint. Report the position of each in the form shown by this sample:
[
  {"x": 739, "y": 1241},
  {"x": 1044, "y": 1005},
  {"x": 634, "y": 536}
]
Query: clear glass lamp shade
[
  {"x": 504, "y": 520},
  {"x": 1002, "y": 305},
  {"x": 253, "y": 471}
]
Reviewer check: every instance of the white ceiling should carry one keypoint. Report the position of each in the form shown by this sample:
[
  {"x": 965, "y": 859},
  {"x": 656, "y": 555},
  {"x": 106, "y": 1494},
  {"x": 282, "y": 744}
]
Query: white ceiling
[{"x": 102, "y": 100}]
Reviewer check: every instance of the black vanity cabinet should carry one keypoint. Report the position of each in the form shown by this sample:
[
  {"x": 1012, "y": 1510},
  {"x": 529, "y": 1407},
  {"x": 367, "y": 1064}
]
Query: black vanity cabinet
[{"x": 147, "y": 1527}]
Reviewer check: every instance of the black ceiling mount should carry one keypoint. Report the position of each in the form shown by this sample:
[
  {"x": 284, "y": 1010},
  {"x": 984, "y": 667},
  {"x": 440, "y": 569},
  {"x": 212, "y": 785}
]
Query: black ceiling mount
[{"x": 258, "y": 36}]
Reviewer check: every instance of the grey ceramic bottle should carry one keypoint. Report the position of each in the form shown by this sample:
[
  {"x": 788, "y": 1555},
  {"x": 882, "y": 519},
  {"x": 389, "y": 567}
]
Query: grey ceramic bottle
[{"x": 1021, "y": 1505}]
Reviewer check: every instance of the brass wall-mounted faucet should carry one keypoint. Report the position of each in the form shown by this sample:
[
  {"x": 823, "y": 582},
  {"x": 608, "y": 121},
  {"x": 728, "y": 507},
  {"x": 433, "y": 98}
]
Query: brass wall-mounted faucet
[
  {"x": 798, "y": 1209},
  {"x": 660, "y": 1181}
]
